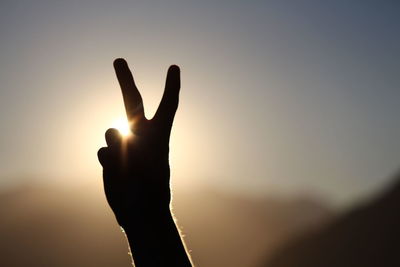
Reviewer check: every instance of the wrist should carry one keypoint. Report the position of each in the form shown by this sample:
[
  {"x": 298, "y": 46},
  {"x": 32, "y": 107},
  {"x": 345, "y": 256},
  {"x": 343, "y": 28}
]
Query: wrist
[
  {"x": 156, "y": 240},
  {"x": 143, "y": 219}
]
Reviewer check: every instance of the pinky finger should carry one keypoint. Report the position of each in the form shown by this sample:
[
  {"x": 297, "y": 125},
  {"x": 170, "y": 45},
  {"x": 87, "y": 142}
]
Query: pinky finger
[{"x": 104, "y": 156}]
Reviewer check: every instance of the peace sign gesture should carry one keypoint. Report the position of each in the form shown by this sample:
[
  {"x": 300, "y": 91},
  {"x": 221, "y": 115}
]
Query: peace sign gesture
[
  {"x": 134, "y": 105},
  {"x": 136, "y": 174}
]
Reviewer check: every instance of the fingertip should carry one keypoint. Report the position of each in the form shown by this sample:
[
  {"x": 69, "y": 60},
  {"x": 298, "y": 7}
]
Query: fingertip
[
  {"x": 119, "y": 62},
  {"x": 102, "y": 155},
  {"x": 113, "y": 136},
  {"x": 111, "y": 130},
  {"x": 173, "y": 77},
  {"x": 174, "y": 68},
  {"x": 102, "y": 151}
]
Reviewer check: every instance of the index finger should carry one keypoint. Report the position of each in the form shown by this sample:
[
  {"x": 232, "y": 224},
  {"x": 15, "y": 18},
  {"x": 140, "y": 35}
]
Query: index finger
[{"x": 132, "y": 98}]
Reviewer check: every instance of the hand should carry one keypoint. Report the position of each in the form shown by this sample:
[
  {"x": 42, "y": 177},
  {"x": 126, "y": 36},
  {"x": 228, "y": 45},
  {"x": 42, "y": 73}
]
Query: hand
[
  {"x": 135, "y": 168},
  {"x": 136, "y": 175}
]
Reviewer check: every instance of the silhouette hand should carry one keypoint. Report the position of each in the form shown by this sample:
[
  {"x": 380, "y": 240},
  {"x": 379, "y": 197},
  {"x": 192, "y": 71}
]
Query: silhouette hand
[
  {"x": 136, "y": 174},
  {"x": 136, "y": 168}
]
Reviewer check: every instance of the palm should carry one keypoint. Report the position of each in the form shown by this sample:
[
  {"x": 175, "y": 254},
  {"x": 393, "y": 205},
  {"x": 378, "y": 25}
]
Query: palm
[{"x": 136, "y": 168}]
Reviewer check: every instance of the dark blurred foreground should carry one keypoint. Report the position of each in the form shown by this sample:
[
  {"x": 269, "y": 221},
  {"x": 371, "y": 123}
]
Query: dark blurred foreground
[
  {"x": 52, "y": 226},
  {"x": 367, "y": 236}
]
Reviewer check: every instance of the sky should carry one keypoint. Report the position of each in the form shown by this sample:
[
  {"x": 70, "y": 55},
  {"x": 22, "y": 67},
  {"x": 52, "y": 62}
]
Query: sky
[{"x": 279, "y": 97}]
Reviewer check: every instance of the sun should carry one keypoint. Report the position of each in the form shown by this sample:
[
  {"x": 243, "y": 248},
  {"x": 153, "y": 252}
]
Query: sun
[{"x": 122, "y": 125}]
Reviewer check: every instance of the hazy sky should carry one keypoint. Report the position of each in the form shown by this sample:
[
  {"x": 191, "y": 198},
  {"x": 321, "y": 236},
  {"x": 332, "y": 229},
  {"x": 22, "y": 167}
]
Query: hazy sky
[{"x": 277, "y": 96}]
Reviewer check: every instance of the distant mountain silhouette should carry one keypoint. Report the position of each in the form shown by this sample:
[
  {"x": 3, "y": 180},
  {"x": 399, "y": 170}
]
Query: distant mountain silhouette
[
  {"x": 364, "y": 237},
  {"x": 54, "y": 226},
  {"x": 232, "y": 230}
]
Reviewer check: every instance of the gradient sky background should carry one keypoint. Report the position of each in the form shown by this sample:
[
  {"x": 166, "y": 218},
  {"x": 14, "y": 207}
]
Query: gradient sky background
[{"x": 277, "y": 96}]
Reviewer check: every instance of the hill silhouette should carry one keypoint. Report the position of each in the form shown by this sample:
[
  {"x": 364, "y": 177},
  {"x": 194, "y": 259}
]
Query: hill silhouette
[
  {"x": 55, "y": 226},
  {"x": 367, "y": 236}
]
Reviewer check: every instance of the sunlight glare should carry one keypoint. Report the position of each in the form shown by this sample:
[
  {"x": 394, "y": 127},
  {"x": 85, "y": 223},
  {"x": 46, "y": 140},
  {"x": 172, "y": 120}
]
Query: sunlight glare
[{"x": 122, "y": 125}]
